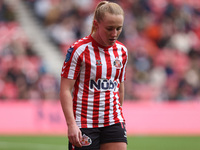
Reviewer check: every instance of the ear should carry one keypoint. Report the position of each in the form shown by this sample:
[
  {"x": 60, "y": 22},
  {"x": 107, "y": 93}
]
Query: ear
[{"x": 95, "y": 24}]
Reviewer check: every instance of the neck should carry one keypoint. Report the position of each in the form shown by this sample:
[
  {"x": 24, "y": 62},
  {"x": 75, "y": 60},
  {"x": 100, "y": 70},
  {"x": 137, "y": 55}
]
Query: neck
[
  {"x": 94, "y": 36},
  {"x": 97, "y": 38}
]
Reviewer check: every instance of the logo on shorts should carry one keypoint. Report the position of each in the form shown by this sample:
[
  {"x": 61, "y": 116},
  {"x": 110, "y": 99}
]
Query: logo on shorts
[
  {"x": 86, "y": 140},
  {"x": 125, "y": 134}
]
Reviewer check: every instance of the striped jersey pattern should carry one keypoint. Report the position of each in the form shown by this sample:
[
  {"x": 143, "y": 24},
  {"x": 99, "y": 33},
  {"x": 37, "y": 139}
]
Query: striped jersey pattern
[{"x": 98, "y": 71}]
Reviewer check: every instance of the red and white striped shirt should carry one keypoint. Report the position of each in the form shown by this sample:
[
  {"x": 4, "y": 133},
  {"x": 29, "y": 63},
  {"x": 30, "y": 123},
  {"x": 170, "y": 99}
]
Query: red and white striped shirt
[{"x": 98, "y": 71}]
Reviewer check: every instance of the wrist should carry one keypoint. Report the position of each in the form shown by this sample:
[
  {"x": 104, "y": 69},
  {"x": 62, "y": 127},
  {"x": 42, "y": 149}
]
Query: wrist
[{"x": 71, "y": 124}]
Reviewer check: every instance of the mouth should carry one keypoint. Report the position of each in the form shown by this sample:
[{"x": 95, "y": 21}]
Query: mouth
[{"x": 112, "y": 40}]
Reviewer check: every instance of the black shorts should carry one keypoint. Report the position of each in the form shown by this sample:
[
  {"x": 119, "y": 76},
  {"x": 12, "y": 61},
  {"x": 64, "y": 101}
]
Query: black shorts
[{"x": 94, "y": 137}]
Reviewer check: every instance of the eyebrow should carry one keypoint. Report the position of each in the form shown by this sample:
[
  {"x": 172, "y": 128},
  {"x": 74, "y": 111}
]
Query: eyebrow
[{"x": 114, "y": 26}]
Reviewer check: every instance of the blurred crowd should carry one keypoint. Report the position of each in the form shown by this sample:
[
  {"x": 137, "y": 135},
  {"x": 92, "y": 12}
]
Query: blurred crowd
[
  {"x": 162, "y": 37},
  {"x": 22, "y": 73}
]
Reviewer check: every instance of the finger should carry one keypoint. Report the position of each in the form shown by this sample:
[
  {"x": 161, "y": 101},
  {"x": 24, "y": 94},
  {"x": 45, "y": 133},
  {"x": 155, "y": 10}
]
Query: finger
[
  {"x": 70, "y": 140},
  {"x": 79, "y": 142},
  {"x": 74, "y": 140},
  {"x": 80, "y": 136}
]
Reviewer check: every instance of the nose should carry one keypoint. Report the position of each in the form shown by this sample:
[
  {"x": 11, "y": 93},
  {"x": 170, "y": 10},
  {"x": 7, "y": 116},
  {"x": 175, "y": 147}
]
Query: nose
[{"x": 114, "y": 32}]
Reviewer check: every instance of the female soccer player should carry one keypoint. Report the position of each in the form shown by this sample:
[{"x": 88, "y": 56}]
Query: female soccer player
[{"x": 94, "y": 71}]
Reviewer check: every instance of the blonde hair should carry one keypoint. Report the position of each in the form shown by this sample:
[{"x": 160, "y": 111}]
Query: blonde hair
[{"x": 102, "y": 8}]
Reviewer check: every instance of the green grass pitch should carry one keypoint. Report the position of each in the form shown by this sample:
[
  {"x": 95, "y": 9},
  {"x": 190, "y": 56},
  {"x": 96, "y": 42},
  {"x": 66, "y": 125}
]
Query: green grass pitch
[{"x": 134, "y": 143}]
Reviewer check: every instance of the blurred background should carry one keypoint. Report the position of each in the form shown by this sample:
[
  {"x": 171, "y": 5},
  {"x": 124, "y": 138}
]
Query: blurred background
[
  {"x": 162, "y": 37},
  {"x": 163, "y": 72}
]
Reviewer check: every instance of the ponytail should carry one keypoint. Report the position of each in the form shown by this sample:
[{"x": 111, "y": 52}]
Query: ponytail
[{"x": 102, "y": 8}]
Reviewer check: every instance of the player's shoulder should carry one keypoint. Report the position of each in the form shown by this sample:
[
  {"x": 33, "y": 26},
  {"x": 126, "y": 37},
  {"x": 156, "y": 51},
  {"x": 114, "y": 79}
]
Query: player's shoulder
[
  {"x": 79, "y": 46},
  {"x": 79, "y": 43}
]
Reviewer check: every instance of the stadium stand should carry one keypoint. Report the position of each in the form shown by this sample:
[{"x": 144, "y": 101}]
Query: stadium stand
[
  {"x": 162, "y": 36},
  {"x": 23, "y": 74}
]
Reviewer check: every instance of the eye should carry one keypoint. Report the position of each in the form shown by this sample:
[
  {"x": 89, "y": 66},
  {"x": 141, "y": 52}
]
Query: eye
[
  {"x": 112, "y": 28},
  {"x": 119, "y": 28},
  {"x": 109, "y": 29}
]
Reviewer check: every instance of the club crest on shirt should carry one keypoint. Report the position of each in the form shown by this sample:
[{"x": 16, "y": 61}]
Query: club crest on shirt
[
  {"x": 69, "y": 53},
  {"x": 117, "y": 63},
  {"x": 98, "y": 63},
  {"x": 86, "y": 140}
]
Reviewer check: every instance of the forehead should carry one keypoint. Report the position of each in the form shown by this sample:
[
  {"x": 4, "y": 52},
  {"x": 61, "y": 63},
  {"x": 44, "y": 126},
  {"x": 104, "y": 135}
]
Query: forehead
[{"x": 112, "y": 19}]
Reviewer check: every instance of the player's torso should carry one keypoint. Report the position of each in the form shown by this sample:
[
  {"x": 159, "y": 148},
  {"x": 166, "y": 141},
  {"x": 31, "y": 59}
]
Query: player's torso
[
  {"x": 101, "y": 68},
  {"x": 96, "y": 93}
]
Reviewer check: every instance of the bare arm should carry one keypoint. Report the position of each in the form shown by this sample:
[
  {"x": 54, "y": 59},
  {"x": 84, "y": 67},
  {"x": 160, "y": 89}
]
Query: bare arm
[
  {"x": 121, "y": 93},
  {"x": 74, "y": 133}
]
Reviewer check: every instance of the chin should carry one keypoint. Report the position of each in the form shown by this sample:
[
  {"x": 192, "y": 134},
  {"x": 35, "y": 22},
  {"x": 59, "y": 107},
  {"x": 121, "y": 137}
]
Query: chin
[{"x": 111, "y": 44}]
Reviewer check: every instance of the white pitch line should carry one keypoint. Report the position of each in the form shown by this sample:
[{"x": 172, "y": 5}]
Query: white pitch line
[{"x": 30, "y": 146}]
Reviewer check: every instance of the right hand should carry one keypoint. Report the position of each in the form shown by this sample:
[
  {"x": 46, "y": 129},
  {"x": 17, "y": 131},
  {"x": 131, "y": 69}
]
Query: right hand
[{"x": 75, "y": 135}]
